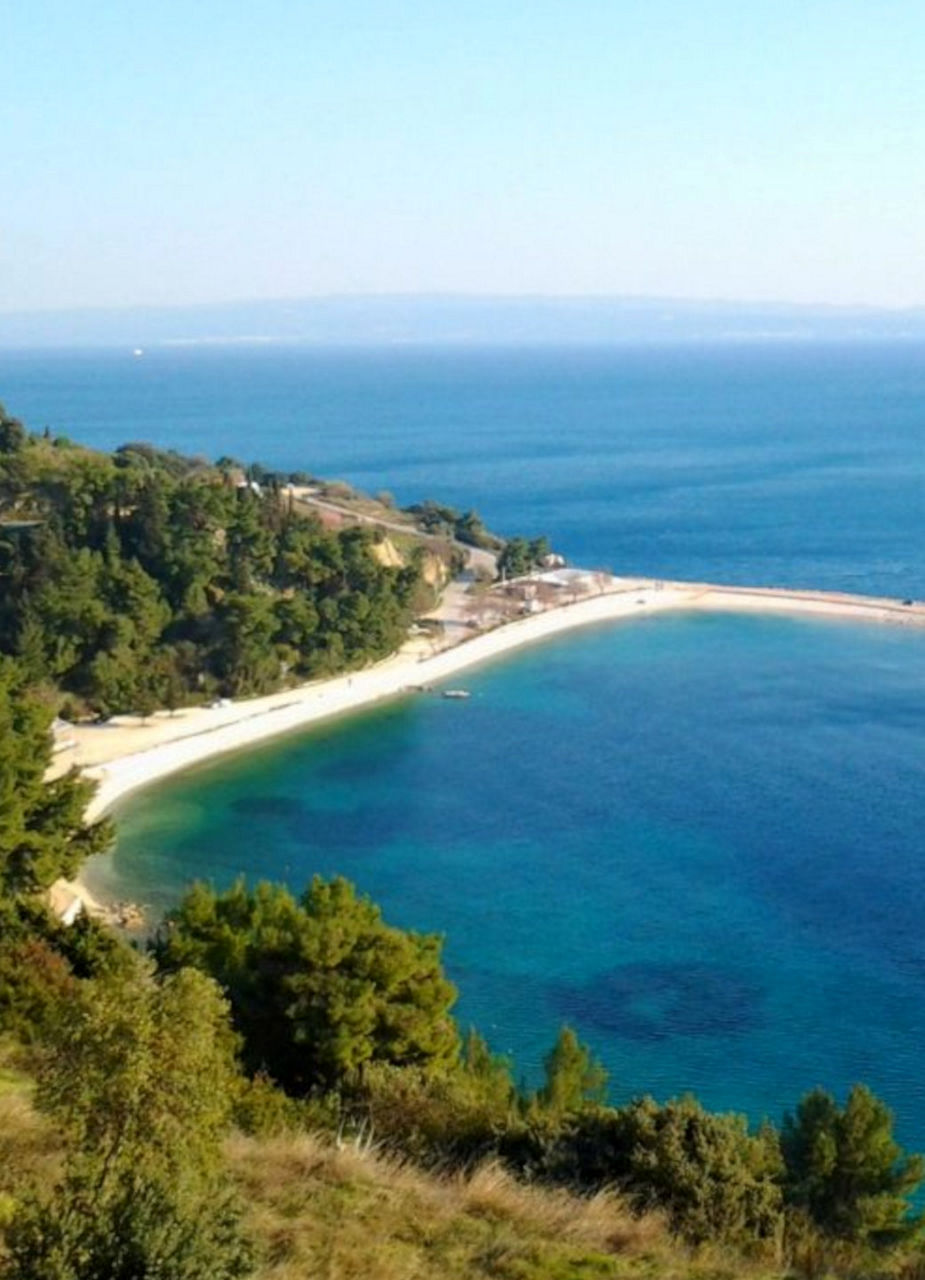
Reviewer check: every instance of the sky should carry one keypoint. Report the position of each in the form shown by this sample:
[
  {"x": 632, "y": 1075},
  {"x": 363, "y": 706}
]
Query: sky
[{"x": 178, "y": 152}]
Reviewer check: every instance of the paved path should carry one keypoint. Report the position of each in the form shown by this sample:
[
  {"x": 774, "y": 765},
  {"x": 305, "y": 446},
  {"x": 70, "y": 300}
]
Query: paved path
[{"x": 477, "y": 557}]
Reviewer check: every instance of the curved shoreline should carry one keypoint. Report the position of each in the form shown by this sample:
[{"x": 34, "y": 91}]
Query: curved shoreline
[{"x": 128, "y": 754}]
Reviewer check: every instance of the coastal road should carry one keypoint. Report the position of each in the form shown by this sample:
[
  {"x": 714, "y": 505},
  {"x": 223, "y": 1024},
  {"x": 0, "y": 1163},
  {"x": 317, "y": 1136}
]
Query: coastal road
[{"x": 478, "y": 557}]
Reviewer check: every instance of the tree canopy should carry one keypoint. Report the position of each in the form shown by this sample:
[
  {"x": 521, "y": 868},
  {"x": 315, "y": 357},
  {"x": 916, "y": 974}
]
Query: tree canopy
[
  {"x": 845, "y": 1167},
  {"x": 519, "y": 556},
  {"x": 142, "y": 578},
  {"x": 43, "y": 835},
  {"x": 320, "y": 986},
  {"x": 42, "y": 831}
]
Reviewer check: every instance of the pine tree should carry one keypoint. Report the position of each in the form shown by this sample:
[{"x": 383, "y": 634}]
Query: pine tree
[
  {"x": 319, "y": 987},
  {"x": 42, "y": 831},
  {"x": 845, "y": 1168},
  {"x": 573, "y": 1076}
]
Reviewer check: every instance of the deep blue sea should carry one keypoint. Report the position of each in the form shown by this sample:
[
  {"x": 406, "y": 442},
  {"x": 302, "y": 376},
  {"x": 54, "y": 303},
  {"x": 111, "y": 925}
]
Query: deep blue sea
[
  {"x": 700, "y": 840},
  {"x": 800, "y": 465}
]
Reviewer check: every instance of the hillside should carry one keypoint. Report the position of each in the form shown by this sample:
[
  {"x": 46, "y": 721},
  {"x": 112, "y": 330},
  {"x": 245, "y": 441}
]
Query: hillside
[{"x": 316, "y": 1208}]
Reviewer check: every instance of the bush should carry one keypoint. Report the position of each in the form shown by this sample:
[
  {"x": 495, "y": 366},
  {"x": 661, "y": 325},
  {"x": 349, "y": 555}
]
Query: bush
[
  {"x": 137, "y": 1077},
  {"x": 714, "y": 1179}
]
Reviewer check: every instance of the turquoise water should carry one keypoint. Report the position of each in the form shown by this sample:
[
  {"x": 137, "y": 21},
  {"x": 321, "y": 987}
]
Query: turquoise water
[{"x": 698, "y": 839}]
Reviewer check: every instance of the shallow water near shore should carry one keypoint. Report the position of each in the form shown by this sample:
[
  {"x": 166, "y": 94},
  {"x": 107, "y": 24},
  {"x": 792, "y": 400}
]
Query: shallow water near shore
[{"x": 695, "y": 838}]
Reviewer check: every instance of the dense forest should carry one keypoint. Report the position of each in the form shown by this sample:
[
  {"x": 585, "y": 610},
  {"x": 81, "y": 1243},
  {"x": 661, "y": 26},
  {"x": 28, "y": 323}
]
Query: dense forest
[
  {"x": 305, "y": 1026},
  {"x": 141, "y": 578}
]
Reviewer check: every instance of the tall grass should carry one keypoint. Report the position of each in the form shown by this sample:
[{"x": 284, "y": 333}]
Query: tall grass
[{"x": 344, "y": 1213}]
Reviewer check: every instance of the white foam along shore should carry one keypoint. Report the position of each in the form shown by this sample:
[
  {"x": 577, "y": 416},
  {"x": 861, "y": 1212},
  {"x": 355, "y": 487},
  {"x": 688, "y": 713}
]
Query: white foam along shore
[{"x": 127, "y": 754}]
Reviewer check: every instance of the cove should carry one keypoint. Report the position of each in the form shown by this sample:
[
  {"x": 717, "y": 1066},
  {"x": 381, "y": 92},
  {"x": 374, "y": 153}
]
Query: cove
[{"x": 697, "y": 838}]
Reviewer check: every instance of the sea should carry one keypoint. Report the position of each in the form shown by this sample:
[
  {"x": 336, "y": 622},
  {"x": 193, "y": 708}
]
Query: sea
[{"x": 697, "y": 839}]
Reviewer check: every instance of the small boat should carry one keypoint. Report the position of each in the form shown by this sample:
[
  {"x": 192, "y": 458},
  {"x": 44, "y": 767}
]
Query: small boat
[{"x": 456, "y": 693}]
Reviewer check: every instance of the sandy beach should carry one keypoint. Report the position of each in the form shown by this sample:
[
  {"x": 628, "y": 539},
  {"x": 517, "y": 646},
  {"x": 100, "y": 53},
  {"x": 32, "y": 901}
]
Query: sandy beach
[{"x": 126, "y": 753}]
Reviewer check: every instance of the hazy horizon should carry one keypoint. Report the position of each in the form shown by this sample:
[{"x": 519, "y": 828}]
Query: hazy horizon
[
  {"x": 472, "y": 295},
  {"x": 454, "y": 319}
]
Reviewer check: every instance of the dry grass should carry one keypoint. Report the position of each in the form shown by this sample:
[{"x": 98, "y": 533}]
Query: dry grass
[
  {"x": 319, "y": 1211},
  {"x": 28, "y": 1144},
  {"x": 601, "y": 1221},
  {"x": 343, "y": 1214},
  {"x": 29, "y": 1148}
]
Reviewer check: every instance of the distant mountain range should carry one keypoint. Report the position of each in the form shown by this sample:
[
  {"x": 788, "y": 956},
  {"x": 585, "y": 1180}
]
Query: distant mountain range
[{"x": 457, "y": 319}]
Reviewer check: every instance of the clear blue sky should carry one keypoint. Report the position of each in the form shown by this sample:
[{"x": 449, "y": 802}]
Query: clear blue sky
[{"x": 166, "y": 152}]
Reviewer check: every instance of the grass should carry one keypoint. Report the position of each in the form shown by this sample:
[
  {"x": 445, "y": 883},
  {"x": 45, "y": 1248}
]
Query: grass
[
  {"x": 29, "y": 1148},
  {"x": 340, "y": 1214},
  {"x": 15, "y": 1080},
  {"x": 329, "y": 1211}
]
